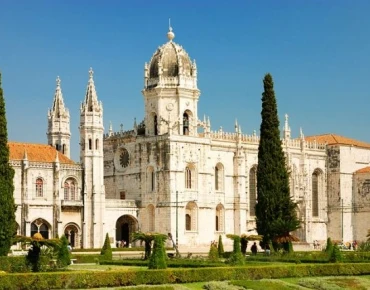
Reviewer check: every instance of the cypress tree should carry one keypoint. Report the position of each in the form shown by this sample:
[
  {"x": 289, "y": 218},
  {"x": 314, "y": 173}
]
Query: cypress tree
[
  {"x": 275, "y": 211},
  {"x": 220, "y": 247},
  {"x": 106, "y": 251},
  {"x": 8, "y": 226}
]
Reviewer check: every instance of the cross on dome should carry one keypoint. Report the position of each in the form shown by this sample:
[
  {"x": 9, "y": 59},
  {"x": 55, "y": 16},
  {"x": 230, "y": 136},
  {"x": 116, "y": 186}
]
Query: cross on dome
[{"x": 170, "y": 34}]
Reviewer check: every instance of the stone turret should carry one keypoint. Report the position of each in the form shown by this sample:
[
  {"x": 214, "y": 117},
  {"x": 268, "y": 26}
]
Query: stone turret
[
  {"x": 91, "y": 141},
  {"x": 59, "y": 133}
]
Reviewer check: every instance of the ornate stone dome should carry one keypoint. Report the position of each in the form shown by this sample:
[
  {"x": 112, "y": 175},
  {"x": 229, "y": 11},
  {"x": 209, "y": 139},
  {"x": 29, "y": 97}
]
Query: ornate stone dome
[{"x": 170, "y": 60}]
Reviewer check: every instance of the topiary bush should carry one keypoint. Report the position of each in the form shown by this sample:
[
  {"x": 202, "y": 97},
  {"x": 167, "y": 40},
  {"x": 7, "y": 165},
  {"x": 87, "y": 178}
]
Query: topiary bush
[
  {"x": 63, "y": 255},
  {"x": 158, "y": 257},
  {"x": 220, "y": 247},
  {"x": 213, "y": 252},
  {"x": 329, "y": 246},
  {"x": 236, "y": 257},
  {"x": 106, "y": 251},
  {"x": 335, "y": 255}
]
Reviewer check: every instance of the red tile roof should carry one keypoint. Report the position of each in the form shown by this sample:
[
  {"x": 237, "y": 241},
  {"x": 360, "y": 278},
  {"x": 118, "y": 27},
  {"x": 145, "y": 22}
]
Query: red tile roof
[
  {"x": 363, "y": 170},
  {"x": 36, "y": 152},
  {"x": 333, "y": 139}
]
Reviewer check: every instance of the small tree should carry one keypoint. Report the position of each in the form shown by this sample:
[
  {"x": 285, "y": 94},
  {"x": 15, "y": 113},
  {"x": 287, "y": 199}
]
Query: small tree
[
  {"x": 33, "y": 258},
  {"x": 236, "y": 257},
  {"x": 147, "y": 238},
  {"x": 106, "y": 251},
  {"x": 158, "y": 258},
  {"x": 64, "y": 258},
  {"x": 213, "y": 252},
  {"x": 220, "y": 247}
]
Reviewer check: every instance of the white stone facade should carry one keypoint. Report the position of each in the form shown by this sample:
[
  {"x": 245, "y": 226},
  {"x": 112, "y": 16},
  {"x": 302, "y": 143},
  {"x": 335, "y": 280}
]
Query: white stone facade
[{"x": 173, "y": 174}]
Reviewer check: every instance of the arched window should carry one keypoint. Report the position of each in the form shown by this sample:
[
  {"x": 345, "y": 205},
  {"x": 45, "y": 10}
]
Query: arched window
[
  {"x": 97, "y": 144},
  {"x": 150, "y": 179},
  {"x": 216, "y": 178},
  {"x": 40, "y": 226},
  {"x": 252, "y": 191},
  {"x": 90, "y": 144},
  {"x": 188, "y": 177},
  {"x": 185, "y": 124},
  {"x": 64, "y": 149},
  {"x": 155, "y": 125},
  {"x": 153, "y": 181},
  {"x": 151, "y": 218},
  {"x": 220, "y": 218},
  {"x": 73, "y": 191},
  {"x": 219, "y": 176},
  {"x": 188, "y": 222},
  {"x": 316, "y": 188},
  {"x": 70, "y": 189},
  {"x": 39, "y": 187},
  {"x": 66, "y": 191},
  {"x": 191, "y": 212}
]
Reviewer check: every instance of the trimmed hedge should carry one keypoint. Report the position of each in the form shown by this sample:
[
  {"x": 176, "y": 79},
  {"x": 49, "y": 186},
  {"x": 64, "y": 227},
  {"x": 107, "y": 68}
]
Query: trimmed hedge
[
  {"x": 172, "y": 263},
  {"x": 14, "y": 264},
  {"x": 95, "y": 279}
]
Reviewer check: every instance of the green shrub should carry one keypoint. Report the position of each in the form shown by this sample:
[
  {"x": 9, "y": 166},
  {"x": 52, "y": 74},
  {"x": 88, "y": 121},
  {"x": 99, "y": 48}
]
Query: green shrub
[
  {"x": 220, "y": 247},
  {"x": 213, "y": 252},
  {"x": 157, "y": 259},
  {"x": 335, "y": 255},
  {"x": 14, "y": 264},
  {"x": 63, "y": 253},
  {"x": 106, "y": 251},
  {"x": 236, "y": 257},
  {"x": 329, "y": 246}
]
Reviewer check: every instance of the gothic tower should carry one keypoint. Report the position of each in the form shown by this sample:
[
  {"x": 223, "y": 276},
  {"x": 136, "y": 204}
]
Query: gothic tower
[
  {"x": 59, "y": 134},
  {"x": 170, "y": 91},
  {"x": 91, "y": 152}
]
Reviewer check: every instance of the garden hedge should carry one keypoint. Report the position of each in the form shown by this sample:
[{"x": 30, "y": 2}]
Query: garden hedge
[{"x": 94, "y": 279}]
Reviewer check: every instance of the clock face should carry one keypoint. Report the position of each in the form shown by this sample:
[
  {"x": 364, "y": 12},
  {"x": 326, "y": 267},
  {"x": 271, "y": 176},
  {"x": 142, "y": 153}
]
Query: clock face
[{"x": 124, "y": 158}]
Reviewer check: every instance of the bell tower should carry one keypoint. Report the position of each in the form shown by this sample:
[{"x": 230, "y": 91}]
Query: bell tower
[
  {"x": 59, "y": 133},
  {"x": 170, "y": 91},
  {"x": 91, "y": 152}
]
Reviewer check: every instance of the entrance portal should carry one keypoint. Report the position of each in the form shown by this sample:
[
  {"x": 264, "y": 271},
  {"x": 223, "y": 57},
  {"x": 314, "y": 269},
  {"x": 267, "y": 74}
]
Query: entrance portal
[{"x": 125, "y": 226}]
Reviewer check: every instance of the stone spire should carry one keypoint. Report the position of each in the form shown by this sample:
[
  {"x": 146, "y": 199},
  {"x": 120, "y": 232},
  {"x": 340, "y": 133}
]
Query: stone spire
[
  {"x": 58, "y": 108},
  {"x": 110, "y": 128},
  {"x": 286, "y": 128},
  {"x": 91, "y": 98},
  {"x": 59, "y": 134}
]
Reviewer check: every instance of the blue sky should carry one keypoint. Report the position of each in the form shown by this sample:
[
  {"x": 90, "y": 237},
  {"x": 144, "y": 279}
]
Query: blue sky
[{"x": 316, "y": 51}]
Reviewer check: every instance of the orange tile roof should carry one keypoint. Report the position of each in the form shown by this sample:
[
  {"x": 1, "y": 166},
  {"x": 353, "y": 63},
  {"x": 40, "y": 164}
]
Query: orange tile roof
[
  {"x": 363, "y": 170},
  {"x": 332, "y": 139},
  {"x": 36, "y": 152}
]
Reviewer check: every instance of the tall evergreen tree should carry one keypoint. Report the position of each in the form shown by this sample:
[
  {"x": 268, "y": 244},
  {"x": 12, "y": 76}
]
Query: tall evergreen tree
[
  {"x": 275, "y": 211},
  {"x": 7, "y": 204}
]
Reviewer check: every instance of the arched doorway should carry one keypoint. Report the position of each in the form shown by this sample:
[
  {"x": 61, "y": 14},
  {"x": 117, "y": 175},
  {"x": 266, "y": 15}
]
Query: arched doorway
[
  {"x": 72, "y": 234},
  {"x": 126, "y": 225}
]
